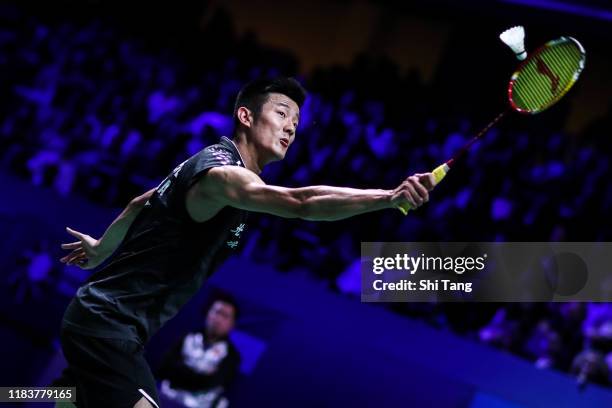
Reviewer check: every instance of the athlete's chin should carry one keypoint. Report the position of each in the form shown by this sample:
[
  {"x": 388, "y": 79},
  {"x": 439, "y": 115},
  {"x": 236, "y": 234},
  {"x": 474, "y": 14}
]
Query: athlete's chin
[
  {"x": 277, "y": 157},
  {"x": 275, "y": 152},
  {"x": 278, "y": 154}
]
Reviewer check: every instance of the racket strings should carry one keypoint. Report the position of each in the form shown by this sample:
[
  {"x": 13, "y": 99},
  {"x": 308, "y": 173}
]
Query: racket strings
[{"x": 547, "y": 76}]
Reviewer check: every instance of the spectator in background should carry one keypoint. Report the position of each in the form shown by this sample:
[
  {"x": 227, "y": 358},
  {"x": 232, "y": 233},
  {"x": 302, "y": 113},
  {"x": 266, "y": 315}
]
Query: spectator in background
[
  {"x": 590, "y": 366},
  {"x": 197, "y": 371},
  {"x": 544, "y": 345},
  {"x": 34, "y": 274}
]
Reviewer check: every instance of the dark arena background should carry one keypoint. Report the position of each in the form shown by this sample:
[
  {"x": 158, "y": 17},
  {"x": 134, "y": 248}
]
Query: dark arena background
[{"x": 101, "y": 99}]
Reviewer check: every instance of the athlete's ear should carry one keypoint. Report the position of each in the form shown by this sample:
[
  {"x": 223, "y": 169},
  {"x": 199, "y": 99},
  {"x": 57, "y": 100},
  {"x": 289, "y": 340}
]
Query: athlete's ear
[{"x": 245, "y": 116}]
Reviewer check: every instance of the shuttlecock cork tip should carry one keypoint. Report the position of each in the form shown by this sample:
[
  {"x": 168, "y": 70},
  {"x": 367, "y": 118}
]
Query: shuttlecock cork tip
[{"x": 514, "y": 38}]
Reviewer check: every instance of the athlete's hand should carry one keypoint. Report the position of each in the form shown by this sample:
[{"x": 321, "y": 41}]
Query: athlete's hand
[
  {"x": 413, "y": 191},
  {"x": 85, "y": 253},
  {"x": 427, "y": 180}
]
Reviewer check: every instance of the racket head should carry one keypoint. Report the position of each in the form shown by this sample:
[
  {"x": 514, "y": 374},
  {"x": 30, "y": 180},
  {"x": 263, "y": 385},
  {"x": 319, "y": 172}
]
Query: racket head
[{"x": 546, "y": 75}]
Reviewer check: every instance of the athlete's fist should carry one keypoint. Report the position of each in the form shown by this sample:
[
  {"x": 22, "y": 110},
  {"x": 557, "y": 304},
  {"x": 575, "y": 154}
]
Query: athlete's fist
[{"x": 414, "y": 191}]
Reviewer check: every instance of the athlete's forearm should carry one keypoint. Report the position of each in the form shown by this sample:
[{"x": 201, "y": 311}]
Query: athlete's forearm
[
  {"x": 243, "y": 189},
  {"x": 116, "y": 231},
  {"x": 327, "y": 203}
]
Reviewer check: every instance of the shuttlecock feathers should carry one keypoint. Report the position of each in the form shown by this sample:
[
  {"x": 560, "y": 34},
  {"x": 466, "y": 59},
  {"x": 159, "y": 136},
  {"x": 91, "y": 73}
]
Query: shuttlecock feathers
[{"x": 515, "y": 39}]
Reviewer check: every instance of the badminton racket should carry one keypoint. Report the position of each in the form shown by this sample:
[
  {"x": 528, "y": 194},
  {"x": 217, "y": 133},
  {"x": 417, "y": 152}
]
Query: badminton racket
[{"x": 540, "y": 81}]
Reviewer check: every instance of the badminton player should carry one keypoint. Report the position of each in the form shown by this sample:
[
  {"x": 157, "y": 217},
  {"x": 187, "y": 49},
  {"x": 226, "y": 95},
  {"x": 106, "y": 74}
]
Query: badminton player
[{"x": 165, "y": 243}]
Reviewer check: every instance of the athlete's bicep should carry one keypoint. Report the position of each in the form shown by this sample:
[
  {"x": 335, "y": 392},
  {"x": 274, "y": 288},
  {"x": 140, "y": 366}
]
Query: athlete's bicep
[
  {"x": 241, "y": 188},
  {"x": 260, "y": 197}
]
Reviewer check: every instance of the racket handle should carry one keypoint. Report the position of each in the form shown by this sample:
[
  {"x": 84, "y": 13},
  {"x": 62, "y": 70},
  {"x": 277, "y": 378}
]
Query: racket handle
[{"x": 439, "y": 173}]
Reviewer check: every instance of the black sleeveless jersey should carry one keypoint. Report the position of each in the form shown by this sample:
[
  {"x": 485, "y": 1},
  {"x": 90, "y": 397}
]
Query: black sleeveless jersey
[{"x": 163, "y": 259}]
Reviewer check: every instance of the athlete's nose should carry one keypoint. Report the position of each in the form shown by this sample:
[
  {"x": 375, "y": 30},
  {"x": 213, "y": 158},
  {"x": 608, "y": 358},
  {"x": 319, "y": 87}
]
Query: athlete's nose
[{"x": 289, "y": 128}]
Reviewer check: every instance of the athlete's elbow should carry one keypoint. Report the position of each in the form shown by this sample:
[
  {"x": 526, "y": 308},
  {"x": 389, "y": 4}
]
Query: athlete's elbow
[
  {"x": 303, "y": 210},
  {"x": 310, "y": 211},
  {"x": 294, "y": 203},
  {"x": 307, "y": 205},
  {"x": 297, "y": 206}
]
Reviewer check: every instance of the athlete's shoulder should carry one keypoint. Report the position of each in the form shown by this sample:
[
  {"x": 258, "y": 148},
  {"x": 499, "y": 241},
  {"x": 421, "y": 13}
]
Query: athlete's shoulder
[
  {"x": 223, "y": 153},
  {"x": 217, "y": 158}
]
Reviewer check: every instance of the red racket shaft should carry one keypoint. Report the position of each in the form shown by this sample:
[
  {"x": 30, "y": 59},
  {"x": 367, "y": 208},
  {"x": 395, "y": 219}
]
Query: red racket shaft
[
  {"x": 466, "y": 147},
  {"x": 440, "y": 171}
]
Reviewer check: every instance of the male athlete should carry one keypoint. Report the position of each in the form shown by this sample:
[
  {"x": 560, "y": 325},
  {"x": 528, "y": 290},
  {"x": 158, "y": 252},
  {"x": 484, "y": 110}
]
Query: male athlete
[{"x": 165, "y": 243}]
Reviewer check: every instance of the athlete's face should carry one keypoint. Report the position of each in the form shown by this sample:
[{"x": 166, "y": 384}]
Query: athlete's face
[
  {"x": 274, "y": 129},
  {"x": 220, "y": 319}
]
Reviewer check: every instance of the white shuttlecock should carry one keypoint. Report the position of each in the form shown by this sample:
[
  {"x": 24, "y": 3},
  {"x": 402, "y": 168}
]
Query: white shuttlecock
[{"x": 515, "y": 39}]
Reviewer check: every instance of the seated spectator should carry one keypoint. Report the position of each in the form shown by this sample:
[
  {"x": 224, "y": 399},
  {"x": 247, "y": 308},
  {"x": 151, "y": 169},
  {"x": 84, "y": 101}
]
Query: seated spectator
[
  {"x": 544, "y": 345},
  {"x": 590, "y": 366},
  {"x": 198, "y": 370}
]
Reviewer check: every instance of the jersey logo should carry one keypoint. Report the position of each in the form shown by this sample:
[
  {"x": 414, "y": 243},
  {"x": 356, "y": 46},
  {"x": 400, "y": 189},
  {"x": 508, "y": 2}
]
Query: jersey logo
[
  {"x": 236, "y": 231},
  {"x": 161, "y": 189}
]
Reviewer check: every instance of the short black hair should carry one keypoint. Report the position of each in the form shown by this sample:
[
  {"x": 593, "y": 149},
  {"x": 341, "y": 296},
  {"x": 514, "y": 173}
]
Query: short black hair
[
  {"x": 254, "y": 94},
  {"x": 221, "y": 296}
]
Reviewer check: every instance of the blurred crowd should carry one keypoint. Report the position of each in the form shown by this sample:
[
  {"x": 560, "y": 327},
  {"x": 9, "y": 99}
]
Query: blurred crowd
[{"x": 91, "y": 110}]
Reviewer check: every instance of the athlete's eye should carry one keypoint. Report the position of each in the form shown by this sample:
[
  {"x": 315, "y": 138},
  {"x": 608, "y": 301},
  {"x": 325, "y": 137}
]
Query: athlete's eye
[{"x": 282, "y": 114}]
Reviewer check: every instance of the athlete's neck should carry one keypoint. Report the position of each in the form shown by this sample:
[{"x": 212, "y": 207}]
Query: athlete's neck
[{"x": 248, "y": 153}]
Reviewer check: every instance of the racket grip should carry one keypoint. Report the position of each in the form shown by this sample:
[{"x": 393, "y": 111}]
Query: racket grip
[{"x": 438, "y": 173}]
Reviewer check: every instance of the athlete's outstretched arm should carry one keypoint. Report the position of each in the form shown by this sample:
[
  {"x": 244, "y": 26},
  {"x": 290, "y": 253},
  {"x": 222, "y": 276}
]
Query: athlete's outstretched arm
[
  {"x": 89, "y": 252},
  {"x": 241, "y": 188}
]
